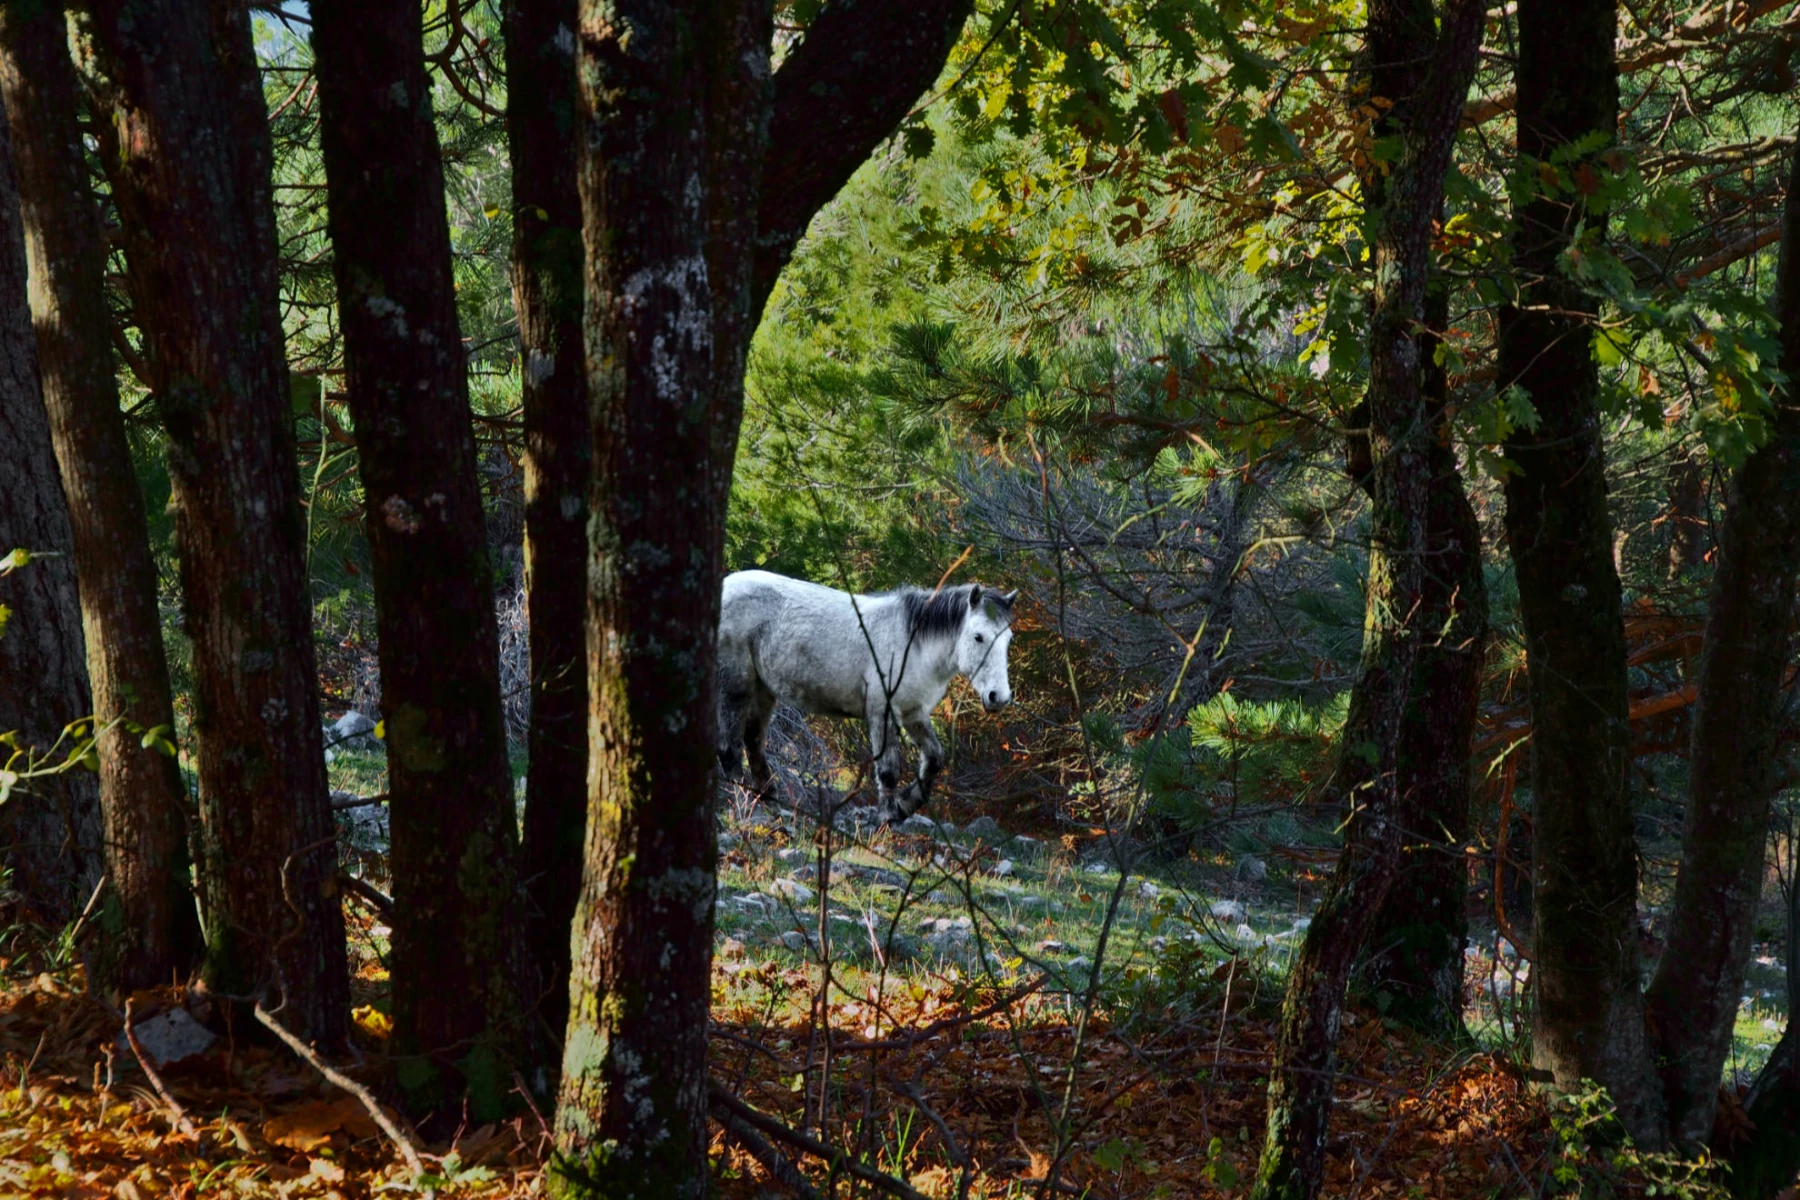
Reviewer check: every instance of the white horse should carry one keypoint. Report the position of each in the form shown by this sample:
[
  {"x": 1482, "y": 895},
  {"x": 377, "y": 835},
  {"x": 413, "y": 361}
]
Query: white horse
[{"x": 886, "y": 659}]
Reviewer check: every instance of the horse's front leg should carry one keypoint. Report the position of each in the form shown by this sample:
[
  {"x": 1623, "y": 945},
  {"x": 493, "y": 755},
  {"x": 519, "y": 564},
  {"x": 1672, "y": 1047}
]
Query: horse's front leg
[
  {"x": 931, "y": 761},
  {"x": 886, "y": 752}
]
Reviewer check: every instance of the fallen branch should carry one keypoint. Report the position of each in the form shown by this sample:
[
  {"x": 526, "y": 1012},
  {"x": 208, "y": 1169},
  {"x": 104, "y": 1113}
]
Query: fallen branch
[
  {"x": 722, "y": 1100},
  {"x": 367, "y": 894},
  {"x": 400, "y": 1140},
  {"x": 358, "y": 801},
  {"x": 179, "y": 1113},
  {"x": 758, "y": 1147}
]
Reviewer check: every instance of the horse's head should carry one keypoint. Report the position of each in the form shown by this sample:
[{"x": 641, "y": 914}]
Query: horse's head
[{"x": 981, "y": 649}]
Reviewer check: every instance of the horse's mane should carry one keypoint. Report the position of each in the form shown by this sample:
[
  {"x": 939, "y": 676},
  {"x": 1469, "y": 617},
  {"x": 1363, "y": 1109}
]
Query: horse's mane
[{"x": 941, "y": 612}]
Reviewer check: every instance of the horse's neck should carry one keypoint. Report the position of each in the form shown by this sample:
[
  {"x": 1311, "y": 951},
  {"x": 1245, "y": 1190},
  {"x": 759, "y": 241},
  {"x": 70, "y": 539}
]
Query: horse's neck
[{"x": 933, "y": 657}]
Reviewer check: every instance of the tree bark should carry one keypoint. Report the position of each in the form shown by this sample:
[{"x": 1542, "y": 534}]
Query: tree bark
[
  {"x": 149, "y": 930},
  {"x": 1394, "y": 715},
  {"x": 547, "y": 299},
  {"x": 456, "y": 951},
  {"x": 188, "y": 154},
  {"x": 675, "y": 119},
  {"x": 1687, "y": 515},
  {"x": 631, "y": 1118},
  {"x": 1422, "y": 923},
  {"x": 850, "y": 82},
  {"x": 1765, "y": 1162},
  {"x": 1693, "y": 1001},
  {"x": 50, "y": 828},
  {"x": 1415, "y": 971},
  {"x": 1588, "y": 1008}
]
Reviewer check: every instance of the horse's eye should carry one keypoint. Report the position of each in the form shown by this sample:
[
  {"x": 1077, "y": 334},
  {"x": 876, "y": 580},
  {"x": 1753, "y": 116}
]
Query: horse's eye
[{"x": 979, "y": 638}]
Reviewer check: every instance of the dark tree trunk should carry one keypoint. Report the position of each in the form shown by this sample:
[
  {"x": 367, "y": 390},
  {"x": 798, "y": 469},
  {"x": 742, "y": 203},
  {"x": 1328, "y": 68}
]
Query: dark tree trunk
[
  {"x": 149, "y": 930},
  {"x": 1687, "y": 514},
  {"x": 547, "y": 299},
  {"x": 1394, "y": 714},
  {"x": 859, "y": 71},
  {"x": 674, "y": 129},
  {"x": 456, "y": 949},
  {"x": 1767, "y": 1160},
  {"x": 188, "y": 154},
  {"x": 1587, "y": 1004},
  {"x": 1767, "y": 1163},
  {"x": 1693, "y": 1001},
  {"x": 50, "y": 828},
  {"x": 1414, "y": 968},
  {"x": 631, "y": 1118},
  {"x": 1416, "y": 961}
]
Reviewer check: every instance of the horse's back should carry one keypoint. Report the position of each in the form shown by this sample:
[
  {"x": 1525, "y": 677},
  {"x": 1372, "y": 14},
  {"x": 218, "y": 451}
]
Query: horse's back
[{"x": 803, "y": 639}]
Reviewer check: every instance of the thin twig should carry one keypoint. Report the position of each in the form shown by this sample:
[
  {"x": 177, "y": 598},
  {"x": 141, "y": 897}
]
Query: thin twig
[
  {"x": 400, "y": 1140},
  {"x": 957, "y": 1154},
  {"x": 839, "y": 1161},
  {"x": 87, "y": 910},
  {"x": 525, "y": 1095},
  {"x": 175, "y": 1109}
]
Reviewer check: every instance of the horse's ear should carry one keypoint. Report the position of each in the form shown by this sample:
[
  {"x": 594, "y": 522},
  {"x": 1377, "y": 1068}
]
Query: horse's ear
[
  {"x": 974, "y": 596},
  {"x": 1010, "y": 597}
]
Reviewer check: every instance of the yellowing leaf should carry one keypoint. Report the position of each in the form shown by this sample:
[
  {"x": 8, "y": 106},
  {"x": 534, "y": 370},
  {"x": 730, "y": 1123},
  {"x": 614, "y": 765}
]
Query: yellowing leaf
[{"x": 310, "y": 1126}]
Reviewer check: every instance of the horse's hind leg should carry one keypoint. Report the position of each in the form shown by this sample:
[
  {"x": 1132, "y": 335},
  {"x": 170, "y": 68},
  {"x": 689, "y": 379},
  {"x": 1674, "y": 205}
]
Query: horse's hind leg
[
  {"x": 736, "y": 689},
  {"x": 760, "y": 708},
  {"x": 887, "y": 752}
]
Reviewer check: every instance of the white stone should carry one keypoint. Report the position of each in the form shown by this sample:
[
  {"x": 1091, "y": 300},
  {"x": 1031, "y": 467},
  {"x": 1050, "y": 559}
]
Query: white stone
[
  {"x": 985, "y": 827},
  {"x": 1229, "y": 911},
  {"x": 172, "y": 1036},
  {"x": 918, "y": 823},
  {"x": 794, "y": 940},
  {"x": 790, "y": 889},
  {"x": 351, "y": 724},
  {"x": 1148, "y": 890},
  {"x": 1252, "y": 869},
  {"x": 1003, "y": 868}
]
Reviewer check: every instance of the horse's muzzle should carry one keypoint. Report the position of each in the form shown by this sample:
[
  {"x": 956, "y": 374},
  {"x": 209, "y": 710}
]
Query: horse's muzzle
[{"x": 994, "y": 701}]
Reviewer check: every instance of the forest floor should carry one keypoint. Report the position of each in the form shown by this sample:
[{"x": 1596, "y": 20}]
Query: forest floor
[{"x": 933, "y": 1011}]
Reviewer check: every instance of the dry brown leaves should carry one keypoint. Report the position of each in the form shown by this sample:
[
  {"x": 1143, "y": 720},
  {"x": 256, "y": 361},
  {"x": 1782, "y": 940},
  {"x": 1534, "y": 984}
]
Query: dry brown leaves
[
  {"x": 268, "y": 1126},
  {"x": 1413, "y": 1118},
  {"x": 1143, "y": 1111}
]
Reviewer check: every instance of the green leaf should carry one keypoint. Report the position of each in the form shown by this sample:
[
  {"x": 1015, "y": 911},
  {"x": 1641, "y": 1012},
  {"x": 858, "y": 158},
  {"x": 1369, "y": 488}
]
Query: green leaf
[
  {"x": 305, "y": 392},
  {"x": 1610, "y": 346},
  {"x": 20, "y": 557},
  {"x": 1110, "y": 1156}
]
